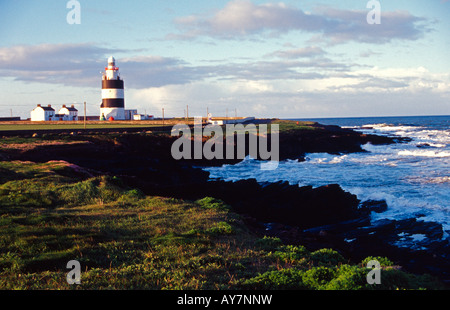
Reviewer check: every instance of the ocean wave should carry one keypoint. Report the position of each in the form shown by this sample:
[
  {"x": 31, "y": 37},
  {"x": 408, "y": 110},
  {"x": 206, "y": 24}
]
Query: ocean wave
[
  {"x": 429, "y": 144},
  {"x": 412, "y": 177},
  {"x": 418, "y": 133},
  {"x": 391, "y": 127},
  {"x": 424, "y": 153},
  {"x": 430, "y": 180}
]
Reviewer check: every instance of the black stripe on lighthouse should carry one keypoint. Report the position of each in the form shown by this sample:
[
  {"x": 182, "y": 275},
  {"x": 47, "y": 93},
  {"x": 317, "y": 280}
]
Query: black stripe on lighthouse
[
  {"x": 112, "y": 84},
  {"x": 113, "y": 103}
]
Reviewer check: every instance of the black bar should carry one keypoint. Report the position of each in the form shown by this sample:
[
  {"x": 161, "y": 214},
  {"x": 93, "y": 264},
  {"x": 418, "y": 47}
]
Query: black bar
[
  {"x": 113, "y": 103},
  {"x": 114, "y": 84}
]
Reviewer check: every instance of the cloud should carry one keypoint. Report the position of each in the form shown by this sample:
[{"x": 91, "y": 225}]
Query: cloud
[
  {"x": 241, "y": 19},
  {"x": 378, "y": 93},
  {"x": 312, "y": 51},
  {"x": 155, "y": 71},
  {"x": 369, "y": 53},
  {"x": 53, "y": 63},
  {"x": 352, "y": 26},
  {"x": 300, "y": 81},
  {"x": 374, "y": 91},
  {"x": 270, "y": 70},
  {"x": 81, "y": 64},
  {"x": 48, "y": 57}
]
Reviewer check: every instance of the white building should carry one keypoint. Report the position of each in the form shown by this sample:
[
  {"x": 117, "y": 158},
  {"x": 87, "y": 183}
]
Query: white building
[
  {"x": 70, "y": 113},
  {"x": 42, "y": 114},
  {"x": 129, "y": 114},
  {"x": 142, "y": 117},
  {"x": 224, "y": 121}
]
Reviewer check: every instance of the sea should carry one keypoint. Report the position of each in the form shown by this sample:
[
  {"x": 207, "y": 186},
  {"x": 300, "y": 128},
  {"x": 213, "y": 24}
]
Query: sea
[{"x": 412, "y": 177}]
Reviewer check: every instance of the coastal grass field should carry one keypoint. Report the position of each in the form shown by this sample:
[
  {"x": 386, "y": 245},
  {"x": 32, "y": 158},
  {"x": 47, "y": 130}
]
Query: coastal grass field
[
  {"x": 29, "y": 126},
  {"x": 54, "y": 212},
  {"x": 284, "y": 125}
]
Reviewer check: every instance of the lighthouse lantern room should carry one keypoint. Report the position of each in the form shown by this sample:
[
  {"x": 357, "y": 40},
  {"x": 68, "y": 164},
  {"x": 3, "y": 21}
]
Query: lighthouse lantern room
[{"x": 113, "y": 102}]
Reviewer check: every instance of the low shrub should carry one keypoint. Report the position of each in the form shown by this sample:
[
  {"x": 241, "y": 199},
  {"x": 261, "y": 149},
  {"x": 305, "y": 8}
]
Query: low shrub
[
  {"x": 268, "y": 243},
  {"x": 221, "y": 228},
  {"x": 291, "y": 254},
  {"x": 348, "y": 278},
  {"x": 317, "y": 278},
  {"x": 327, "y": 257},
  {"x": 384, "y": 261},
  {"x": 212, "y": 203},
  {"x": 284, "y": 279}
]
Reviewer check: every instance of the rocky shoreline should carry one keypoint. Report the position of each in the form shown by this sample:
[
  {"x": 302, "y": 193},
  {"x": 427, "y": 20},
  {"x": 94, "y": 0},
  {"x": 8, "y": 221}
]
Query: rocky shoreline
[{"x": 314, "y": 217}]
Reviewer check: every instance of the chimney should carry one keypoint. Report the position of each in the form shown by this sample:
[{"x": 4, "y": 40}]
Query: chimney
[
  {"x": 73, "y": 106},
  {"x": 38, "y": 105},
  {"x": 49, "y": 105},
  {"x": 64, "y": 105}
]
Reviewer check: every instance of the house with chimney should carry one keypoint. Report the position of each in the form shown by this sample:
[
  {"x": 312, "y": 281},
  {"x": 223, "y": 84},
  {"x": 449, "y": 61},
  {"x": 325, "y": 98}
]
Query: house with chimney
[
  {"x": 45, "y": 114},
  {"x": 42, "y": 114},
  {"x": 69, "y": 113}
]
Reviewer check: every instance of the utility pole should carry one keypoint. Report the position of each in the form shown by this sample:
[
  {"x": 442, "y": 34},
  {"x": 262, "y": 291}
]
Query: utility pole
[
  {"x": 187, "y": 113},
  {"x": 163, "y": 115},
  {"x": 85, "y": 117}
]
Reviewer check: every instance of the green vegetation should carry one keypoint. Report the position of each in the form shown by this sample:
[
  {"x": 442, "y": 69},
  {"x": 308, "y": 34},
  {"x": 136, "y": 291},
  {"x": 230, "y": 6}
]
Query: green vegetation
[
  {"x": 74, "y": 126},
  {"x": 289, "y": 126},
  {"x": 126, "y": 240},
  {"x": 285, "y": 125}
]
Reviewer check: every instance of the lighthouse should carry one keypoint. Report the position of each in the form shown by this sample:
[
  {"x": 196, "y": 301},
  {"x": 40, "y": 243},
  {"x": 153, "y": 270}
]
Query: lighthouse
[{"x": 113, "y": 99}]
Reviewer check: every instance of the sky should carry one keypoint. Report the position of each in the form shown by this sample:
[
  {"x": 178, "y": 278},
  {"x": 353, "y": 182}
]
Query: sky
[{"x": 289, "y": 59}]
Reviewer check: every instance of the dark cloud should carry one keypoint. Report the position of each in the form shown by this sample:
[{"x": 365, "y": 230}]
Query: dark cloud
[
  {"x": 70, "y": 64},
  {"x": 49, "y": 57},
  {"x": 370, "y": 82},
  {"x": 242, "y": 19},
  {"x": 352, "y": 26},
  {"x": 81, "y": 64},
  {"x": 156, "y": 71}
]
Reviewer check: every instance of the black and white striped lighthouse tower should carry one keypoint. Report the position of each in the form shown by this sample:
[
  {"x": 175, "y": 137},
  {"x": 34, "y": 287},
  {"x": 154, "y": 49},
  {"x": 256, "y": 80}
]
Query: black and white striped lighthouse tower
[{"x": 113, "y": 99}]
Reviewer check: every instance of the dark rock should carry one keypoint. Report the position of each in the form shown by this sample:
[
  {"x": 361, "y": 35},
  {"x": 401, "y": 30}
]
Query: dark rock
[
  {"x": 287, "y": 204},
  {"x": 418, "y": 246},
  {"x": 377, "y": 206},
  {"x": 423, "y": 145},
  {"x": 315, "y": 217}
]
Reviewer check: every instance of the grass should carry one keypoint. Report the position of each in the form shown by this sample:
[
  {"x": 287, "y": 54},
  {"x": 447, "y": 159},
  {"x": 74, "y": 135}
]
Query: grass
[
  {"x": 74, "y": 126},
  {"x": 289, "y": 126},
  {"x": 126, "y": 240},
  {"x": 284, "y": 125}
]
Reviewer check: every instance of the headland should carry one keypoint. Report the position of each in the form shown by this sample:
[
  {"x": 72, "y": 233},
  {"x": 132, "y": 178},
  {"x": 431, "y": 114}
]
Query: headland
[{"x": 138, "y": 158}]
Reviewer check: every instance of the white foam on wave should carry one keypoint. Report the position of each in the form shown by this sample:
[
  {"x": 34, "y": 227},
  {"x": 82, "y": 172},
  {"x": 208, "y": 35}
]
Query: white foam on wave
[
  {"x": 424, "y": 153},
  {"x": 429, "y": 179},
  {"x": 441, "y": 138},
  {"x": 431, "y": 145},
  {"x": 393, "y": 128},
  {"x": 413, "y": 177},
  {"x": 412, "y": 241}
]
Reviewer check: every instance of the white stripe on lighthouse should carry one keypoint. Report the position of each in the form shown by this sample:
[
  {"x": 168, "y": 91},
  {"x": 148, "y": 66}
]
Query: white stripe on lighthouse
[{"x": 113, "y": 93}]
